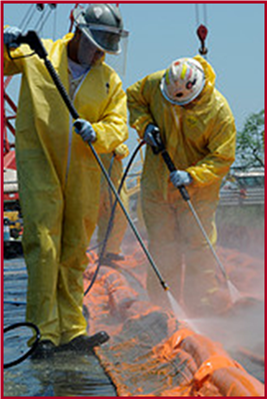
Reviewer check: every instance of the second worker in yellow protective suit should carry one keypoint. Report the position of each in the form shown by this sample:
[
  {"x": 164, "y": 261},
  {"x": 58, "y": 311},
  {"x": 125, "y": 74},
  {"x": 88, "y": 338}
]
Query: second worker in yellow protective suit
[
  {"x": 59, "y": 178},
  {"x": 114, "y": 166},
  {"x": 196, "y": 126}
]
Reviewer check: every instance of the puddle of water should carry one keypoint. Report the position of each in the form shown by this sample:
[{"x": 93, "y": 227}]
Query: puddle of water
[{"x": 67, "y": 374}]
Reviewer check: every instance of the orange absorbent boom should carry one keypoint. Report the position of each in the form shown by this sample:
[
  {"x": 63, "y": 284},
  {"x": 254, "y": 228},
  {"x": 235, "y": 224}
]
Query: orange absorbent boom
[{"x": 150, "y": 352}]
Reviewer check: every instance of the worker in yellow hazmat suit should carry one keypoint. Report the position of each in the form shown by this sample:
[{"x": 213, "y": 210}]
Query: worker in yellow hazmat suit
[
  {"x": 197, "y": 128},
  {"x": 114, "y": 166},
  {"x": 59, "y": 178}
]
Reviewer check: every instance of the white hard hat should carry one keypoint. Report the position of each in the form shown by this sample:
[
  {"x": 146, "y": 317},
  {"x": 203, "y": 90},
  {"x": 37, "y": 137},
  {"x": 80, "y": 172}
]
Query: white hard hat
[{"x": 183, "y": 81}]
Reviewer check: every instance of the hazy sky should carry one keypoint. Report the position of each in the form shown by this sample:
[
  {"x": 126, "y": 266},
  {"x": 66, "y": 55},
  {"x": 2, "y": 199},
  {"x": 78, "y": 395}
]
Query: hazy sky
[{"x": 161, "y": 32}]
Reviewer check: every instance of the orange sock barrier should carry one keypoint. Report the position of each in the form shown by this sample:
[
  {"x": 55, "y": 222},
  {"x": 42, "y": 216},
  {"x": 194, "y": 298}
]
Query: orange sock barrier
[{"x": 150, "y": 352}]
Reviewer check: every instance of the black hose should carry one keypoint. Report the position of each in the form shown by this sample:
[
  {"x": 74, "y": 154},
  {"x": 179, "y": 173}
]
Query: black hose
[
  {"x": 31, "y": 348},
  {"x": 109, "y": 173},
  {"x": 112, "y": 215},
  {"x": 15, "y": 303}
]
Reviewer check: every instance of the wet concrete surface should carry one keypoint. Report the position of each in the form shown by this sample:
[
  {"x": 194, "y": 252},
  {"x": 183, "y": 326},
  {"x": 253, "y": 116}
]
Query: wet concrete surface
[{"x": 67, "y": 374}]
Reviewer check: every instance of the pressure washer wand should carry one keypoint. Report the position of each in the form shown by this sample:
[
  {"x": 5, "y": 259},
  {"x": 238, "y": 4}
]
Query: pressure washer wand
[
  {"x": 31, "y": 38},
  {"x": 234, "y": 293}
]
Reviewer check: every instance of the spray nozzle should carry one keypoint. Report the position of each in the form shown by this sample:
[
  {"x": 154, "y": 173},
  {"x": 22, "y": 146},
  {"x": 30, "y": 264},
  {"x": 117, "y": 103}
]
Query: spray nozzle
[{"x": 165, "y": 286}]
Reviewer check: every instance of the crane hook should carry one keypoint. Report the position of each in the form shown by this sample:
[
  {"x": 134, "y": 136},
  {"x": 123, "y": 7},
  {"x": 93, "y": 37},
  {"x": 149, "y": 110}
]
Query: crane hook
[{"x": 202, "y": 32}]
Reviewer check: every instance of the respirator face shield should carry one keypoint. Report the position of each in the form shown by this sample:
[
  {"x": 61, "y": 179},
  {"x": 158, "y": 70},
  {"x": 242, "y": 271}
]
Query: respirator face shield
[
  {"x": 106, "y": 38},
  {"x": 102, "y": 25},
  {"x": 88, "y": 54}
]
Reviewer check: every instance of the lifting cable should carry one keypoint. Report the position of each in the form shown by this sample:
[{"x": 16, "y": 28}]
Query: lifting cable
[
  {"x": 42, "y": 19},
  {"x": 25, "y": 22},
  {"x": 44, "y": 15},
  {"x": 202, "y": 30},
  {"x": 39, "y": 24}
]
